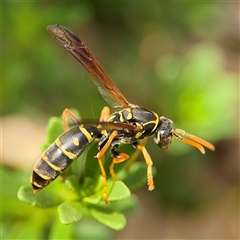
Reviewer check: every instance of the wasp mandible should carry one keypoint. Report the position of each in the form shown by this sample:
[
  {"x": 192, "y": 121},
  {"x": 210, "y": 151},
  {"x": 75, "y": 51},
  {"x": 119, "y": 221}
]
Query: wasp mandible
[{"x": 131, "y": 125}]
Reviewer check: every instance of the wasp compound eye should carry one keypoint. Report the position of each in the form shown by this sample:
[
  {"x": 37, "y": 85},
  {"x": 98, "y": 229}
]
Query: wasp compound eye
[{"x": 163, "y": 135}]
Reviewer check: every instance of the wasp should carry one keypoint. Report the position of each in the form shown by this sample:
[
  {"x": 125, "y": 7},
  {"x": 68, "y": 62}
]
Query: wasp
[{"x": 132, "y": 124}]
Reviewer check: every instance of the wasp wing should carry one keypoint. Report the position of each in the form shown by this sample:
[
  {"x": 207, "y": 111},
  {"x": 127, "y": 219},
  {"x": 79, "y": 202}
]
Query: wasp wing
[
  {"x": 110, "y": 125},
  {"x": 81, "y": 52}
]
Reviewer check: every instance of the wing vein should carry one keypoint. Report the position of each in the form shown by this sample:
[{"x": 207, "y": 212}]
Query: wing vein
[{"x": 82, "y": 53}]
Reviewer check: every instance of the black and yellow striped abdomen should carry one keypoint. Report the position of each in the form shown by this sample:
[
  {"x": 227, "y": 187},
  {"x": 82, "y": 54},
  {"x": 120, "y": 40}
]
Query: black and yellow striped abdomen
[{"x": 61, "y": 154}]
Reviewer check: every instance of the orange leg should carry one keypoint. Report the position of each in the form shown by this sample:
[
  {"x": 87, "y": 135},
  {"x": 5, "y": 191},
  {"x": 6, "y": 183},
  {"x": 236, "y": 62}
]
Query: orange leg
[
  {"x": 121, "y": 158},
  {"x": 100, "y": 156},
  {"x": 149, "y": 163},
  {"x": 136, "y": 154},
  {"x": 104, "y": 114},
  {"x": 67, "y": 113}
]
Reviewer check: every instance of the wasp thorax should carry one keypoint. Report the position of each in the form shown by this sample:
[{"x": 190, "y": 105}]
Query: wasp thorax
[{"x": 164, "y": 133}]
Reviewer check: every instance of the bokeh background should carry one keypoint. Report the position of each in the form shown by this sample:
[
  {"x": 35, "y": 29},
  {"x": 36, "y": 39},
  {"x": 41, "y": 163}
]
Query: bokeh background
[{"x": 180, "y": 59}]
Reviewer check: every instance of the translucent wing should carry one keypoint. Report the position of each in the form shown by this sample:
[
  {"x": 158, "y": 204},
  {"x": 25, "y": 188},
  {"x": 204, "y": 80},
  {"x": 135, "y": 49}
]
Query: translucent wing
[
  {"x": 81, "y": 52},
  {"x": 112, "y": 126}
]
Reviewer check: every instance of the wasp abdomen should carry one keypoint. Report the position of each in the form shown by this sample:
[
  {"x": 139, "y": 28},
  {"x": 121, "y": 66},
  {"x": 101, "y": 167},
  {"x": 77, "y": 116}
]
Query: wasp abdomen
[{"x": 61, "y": 154}]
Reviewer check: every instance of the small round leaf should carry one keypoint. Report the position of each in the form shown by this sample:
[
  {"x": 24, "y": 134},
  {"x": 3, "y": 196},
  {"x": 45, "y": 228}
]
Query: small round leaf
[
  {"x": 70, "y": 212},
  {"x": 114, "y": 220},
  {"x": 43, "y": 199}
]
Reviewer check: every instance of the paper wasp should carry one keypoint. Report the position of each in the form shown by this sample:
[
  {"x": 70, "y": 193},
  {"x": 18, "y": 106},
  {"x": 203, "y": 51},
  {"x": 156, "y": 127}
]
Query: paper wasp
[{"x": 131, "y": 125}]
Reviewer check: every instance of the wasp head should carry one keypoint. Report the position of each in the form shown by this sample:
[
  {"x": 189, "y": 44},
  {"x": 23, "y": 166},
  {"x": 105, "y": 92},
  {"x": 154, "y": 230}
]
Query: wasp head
[{"x": 164, "y": 134}]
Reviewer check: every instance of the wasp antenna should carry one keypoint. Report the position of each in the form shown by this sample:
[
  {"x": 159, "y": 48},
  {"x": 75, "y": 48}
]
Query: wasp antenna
[
  {"x": 190, "y": 142},
  {"x": 202, "y": 142},
  {"x": 196, "y": 139}
]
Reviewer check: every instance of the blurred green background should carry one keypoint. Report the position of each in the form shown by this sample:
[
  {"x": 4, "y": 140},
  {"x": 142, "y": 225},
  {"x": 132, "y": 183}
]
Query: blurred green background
[{"x": 178, "y": 59}]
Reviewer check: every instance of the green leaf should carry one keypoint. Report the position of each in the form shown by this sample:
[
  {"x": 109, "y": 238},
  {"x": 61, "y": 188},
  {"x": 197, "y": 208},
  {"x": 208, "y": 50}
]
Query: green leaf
[
  {"x": 92, "y": 190},
  {"x": 54, "y": 129},
  {"x": 128, "y": 205},
  {"x": 115, "y": 220},
  {"x": 91, "y": 186},
  {"x": 72, "y": 182},
  {"x": 70, "y": 212},
  {"x": 91, "y": 167},
  {"x": 93, "y": 199},
  {"x": 119, "y": 191},
  {"x": 43, "y": 199}
]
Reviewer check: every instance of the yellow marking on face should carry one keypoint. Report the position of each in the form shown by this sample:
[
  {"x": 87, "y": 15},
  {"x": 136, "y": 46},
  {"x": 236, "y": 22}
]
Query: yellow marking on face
[
  {"x": 86, "y": 134},
  {"x": 76, "y": 142},
  {"x": 138, "y": 135},
  {"x": 158, "y": 137}
]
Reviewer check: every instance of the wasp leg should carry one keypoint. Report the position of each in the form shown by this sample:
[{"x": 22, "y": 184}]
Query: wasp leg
[
  {"x": 100, "y": 156},
  {"x": 149, "y": 163},
  {"x": 104, "y": 114},
  {"x": 67, "y": 113},
  {"x": 137, "y": 152},
  {"x": 120, "y": 157}
]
